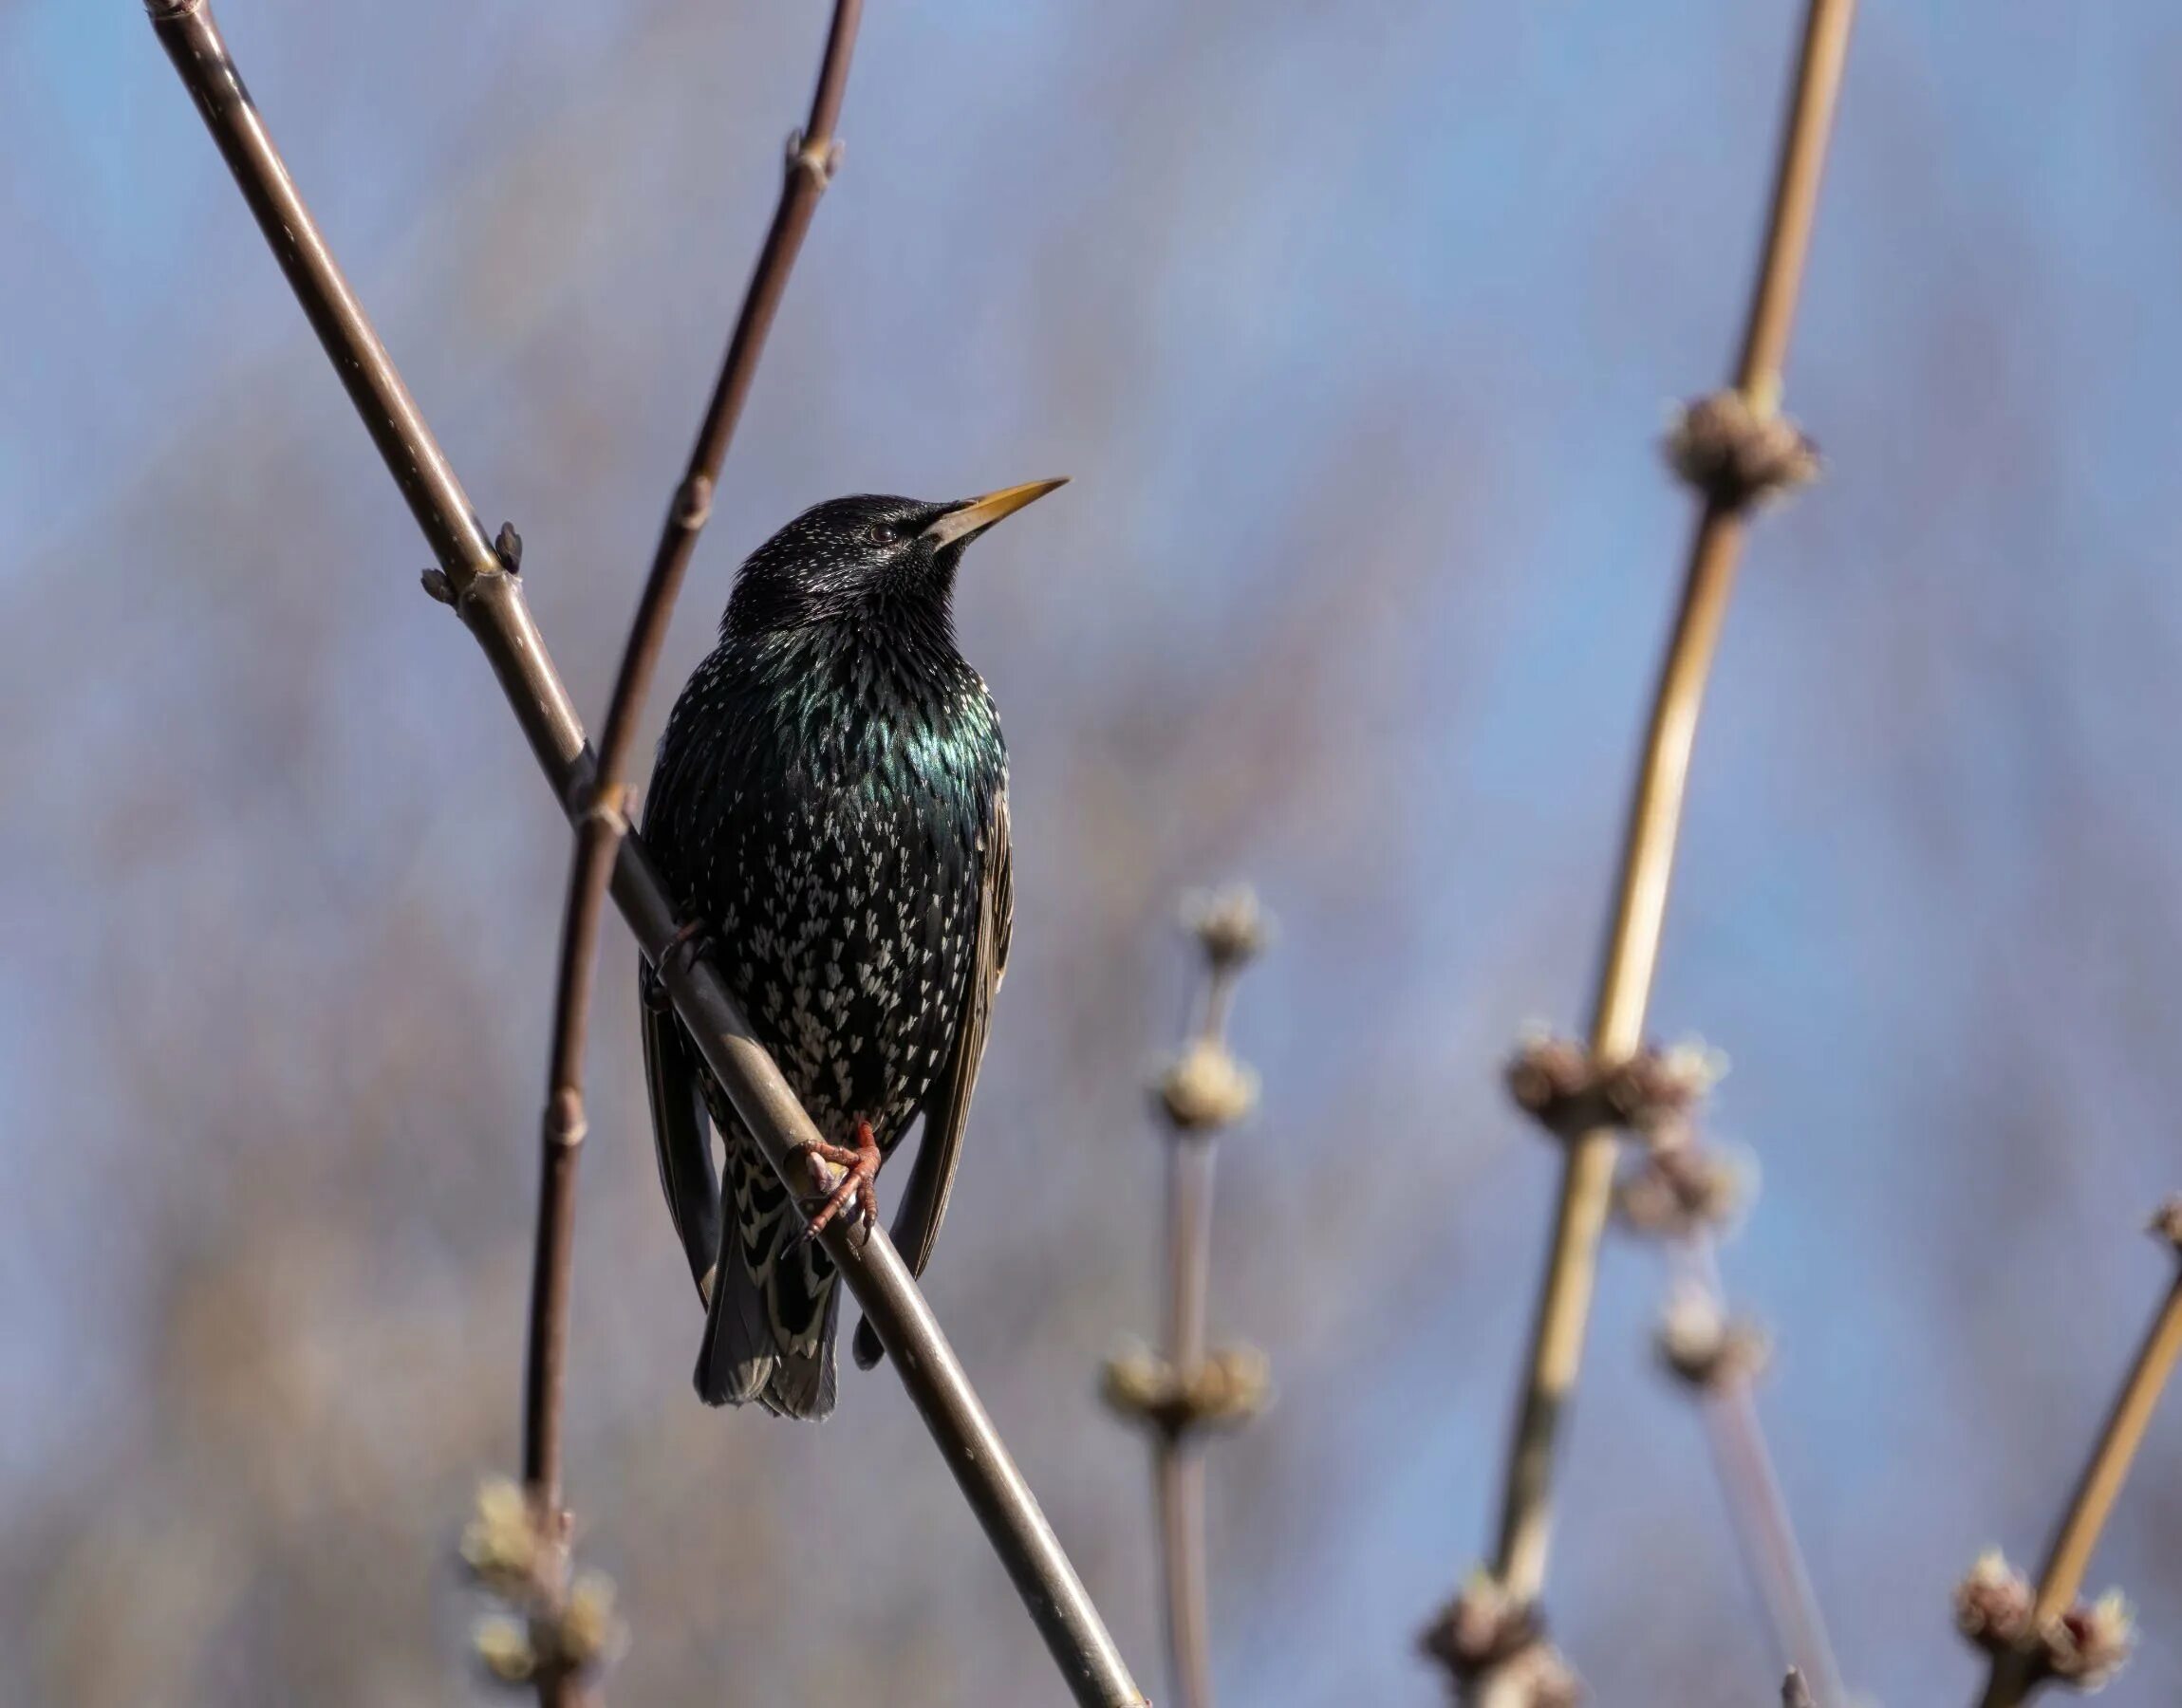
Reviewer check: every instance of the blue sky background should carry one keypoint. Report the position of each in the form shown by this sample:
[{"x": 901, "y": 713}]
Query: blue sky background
[{"x": 1357, "y": 327}]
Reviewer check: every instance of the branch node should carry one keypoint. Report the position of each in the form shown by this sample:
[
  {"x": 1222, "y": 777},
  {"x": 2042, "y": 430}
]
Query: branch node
[
  {"x": 437, "y": 586},
  {"x": 1737, "y": 455},
  {"x": 820, "y": 158},
  {"x": 693, "y": 501},
  {"x": 564, "y": 1123},
  {"x": 1228, "y": 1389},
  {"x": 1702, "y": 1345},
  {"x": 1485, "y": 1631},
  {"x": 1570, "y": 1092},
  {"x": 2084, "y": 1646}
]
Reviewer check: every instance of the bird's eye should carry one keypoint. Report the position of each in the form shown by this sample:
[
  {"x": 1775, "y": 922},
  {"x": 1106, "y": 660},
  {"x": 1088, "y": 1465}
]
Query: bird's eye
[{"x": 877, "y": 533}]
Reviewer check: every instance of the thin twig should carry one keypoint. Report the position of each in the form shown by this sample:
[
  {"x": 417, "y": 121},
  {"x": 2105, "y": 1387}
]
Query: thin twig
[
  {"x": 1178, "y": 1454},
  {"x": 1757, "y": 1512},
  {"x": 1648, "y": 858},
  {"x": 2016, "y": 1670},
  {"x": 1185, "y": 1389},
  {"x": 603, "y": 819},
  {"x": 2093, "y": 1501},
  {"x": 491, "y": 604}
]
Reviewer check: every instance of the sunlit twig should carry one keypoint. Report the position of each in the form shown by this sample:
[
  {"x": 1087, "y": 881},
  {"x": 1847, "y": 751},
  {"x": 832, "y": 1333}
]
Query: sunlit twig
[{"x": 1733, "y": 448}]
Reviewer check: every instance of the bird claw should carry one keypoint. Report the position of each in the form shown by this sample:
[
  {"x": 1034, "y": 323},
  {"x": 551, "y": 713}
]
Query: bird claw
[
  {"x": 691, "y": 938},
  {"x": 856, "y": 1184}
]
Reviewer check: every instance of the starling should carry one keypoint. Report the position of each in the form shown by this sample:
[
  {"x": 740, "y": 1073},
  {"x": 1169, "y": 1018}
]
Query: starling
[{"x": 830, "y": 810}]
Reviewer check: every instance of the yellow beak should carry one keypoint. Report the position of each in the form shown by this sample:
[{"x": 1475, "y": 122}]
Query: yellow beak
[{"x": 977, "y": 515}]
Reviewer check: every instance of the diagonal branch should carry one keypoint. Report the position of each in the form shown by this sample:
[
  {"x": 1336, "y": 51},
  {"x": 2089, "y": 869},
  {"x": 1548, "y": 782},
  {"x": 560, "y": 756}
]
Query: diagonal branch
[
  {"x": 490, "y": 601},
  {"x": 1733, "y": 452},
  {"x": 1721, "y": 1377},
  {"x": 1757, "y": 1508},
  {"x": 2056, "y": 1629},
  {"x": 603, "y": 822}
]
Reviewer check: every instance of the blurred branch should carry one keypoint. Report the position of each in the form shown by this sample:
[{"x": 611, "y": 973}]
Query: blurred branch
[
  {"x": 1182, "y": 1392},
  {"x": 1683, "y": 1191},
  {"x": 1734, "y": 449},
  {"x": 1757, "y": 1511},
  {"x": 471, "y": 576},
  {"x": 603, "y": 819},
  {"x": 2053, "y": 1634}
]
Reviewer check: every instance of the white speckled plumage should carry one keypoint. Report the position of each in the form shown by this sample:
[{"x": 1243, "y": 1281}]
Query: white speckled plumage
[{"x": 830, "y": 796}]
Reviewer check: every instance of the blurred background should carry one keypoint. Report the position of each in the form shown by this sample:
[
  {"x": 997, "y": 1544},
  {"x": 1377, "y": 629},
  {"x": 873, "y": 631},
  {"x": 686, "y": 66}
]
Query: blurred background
[{"x": 1357, "y": 327}]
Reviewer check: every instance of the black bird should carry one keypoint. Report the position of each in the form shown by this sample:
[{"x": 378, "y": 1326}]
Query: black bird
[{"x": 829, "y": 809}]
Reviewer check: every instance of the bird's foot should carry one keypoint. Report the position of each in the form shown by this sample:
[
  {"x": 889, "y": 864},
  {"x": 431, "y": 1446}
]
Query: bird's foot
[
  {"x": 692, "y": 937},
  {"x": 859, "y": 1171}
]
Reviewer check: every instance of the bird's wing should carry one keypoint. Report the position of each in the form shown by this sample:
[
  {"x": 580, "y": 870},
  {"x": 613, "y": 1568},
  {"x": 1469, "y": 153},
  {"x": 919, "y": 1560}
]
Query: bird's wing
[
  {"x": 947, "y": 1110},
  {"x": 682, "y": 1134}
]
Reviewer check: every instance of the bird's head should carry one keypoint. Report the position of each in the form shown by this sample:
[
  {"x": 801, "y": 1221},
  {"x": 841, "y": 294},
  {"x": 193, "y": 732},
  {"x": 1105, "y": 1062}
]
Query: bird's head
[{"x": 850, "y": 556}]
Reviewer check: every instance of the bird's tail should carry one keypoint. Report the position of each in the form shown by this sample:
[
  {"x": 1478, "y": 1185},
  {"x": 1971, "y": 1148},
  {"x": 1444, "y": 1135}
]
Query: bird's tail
[{"x": 775, "y": 1301}]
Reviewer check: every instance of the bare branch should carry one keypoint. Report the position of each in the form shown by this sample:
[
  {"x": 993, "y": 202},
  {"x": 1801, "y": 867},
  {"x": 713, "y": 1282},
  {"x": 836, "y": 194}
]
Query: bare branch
[
  {"x": 605, "y": 819},
  {"x": 491, "y": 603},
  {"x": 1185, "y": 1390},
  {"x": 1718, "y": 1357},
  {"x": 1758, "y": 1512},
  {"x": 1742, "y": 460},
  {"x": 2055, "y": 1634}
]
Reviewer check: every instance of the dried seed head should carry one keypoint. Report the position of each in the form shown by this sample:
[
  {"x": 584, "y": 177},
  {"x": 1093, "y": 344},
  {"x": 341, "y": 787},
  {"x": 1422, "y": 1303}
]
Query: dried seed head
[
  {"x": 1675, "y": 1191},
  {"x": 1547, "y": 1074},
  {"x": 1484, "y": 1636},
  {"x": 2086, "y": 1645},
  {"x": 1997, "y": 1609},
  {"x": 1230, "y": 1387},
  {"x": 589, "y": 1630},
  {"x": 1736, "y": 456},
  {"x": 2167, "y": 1224},
  {"x": 1704, "y": 1346},
  {"x": 1229, "y": 926},
  {"x": 1653, "y": 1093},
  {"x": 545, "y": 1630},
  {"x": 1541, "y": 1677},
  {"x": 1206, "y": 1088},
  {"x": 1993, "y": 1604},
  {"x": 1656, "y": 1090},
  {"x": 503, "y": 1644},
  {"x": 1135, "y": 1383},
  {"x": 1480, "y": 1627},
  {"x": 500, "y": 1544}
]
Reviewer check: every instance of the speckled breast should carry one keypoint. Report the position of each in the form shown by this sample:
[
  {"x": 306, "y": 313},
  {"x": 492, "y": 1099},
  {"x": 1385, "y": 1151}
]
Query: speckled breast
[{"x": 845, "y": 929}]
